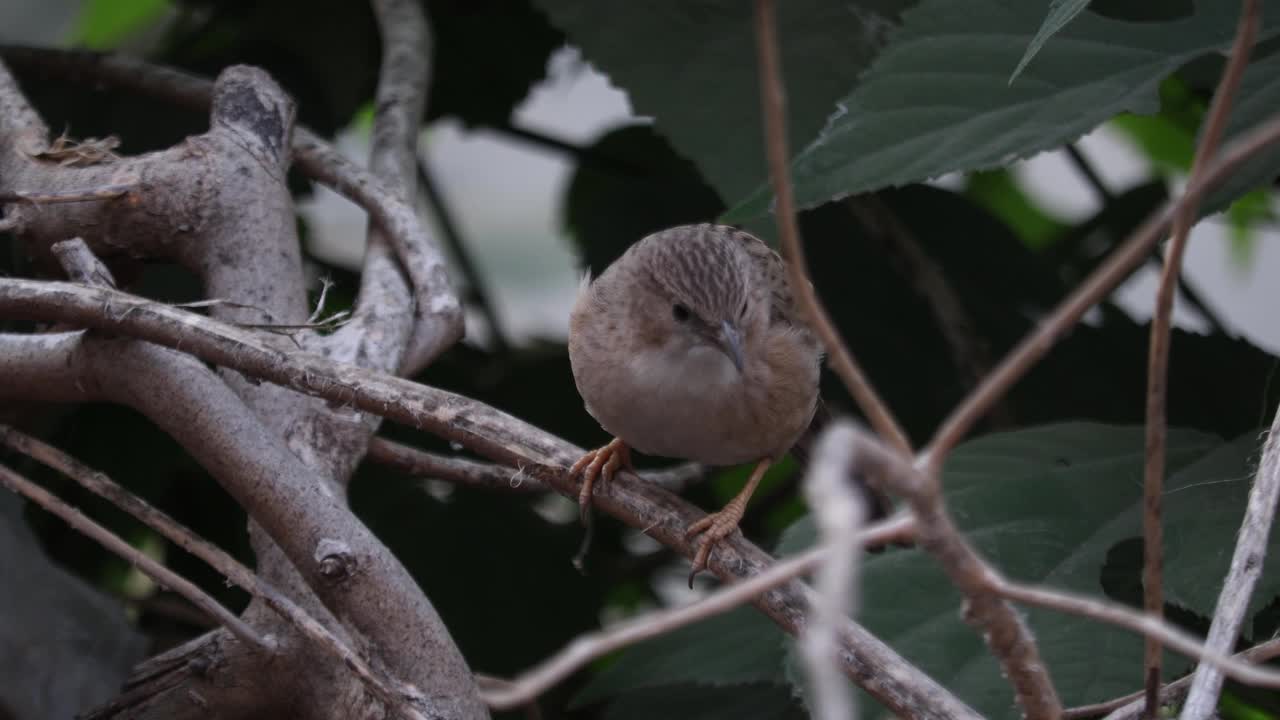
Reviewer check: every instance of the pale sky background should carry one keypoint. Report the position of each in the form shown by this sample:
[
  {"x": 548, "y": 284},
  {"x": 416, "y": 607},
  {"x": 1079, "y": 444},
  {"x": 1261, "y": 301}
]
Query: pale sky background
[{"x": 506, "y": 197}]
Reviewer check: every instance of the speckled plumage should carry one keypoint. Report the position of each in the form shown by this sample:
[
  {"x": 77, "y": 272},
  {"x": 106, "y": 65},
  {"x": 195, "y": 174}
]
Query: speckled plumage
[{"x": 663, "y": 388}]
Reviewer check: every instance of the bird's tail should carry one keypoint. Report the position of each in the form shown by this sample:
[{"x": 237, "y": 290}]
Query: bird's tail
[{"x": 878, "y": 504}]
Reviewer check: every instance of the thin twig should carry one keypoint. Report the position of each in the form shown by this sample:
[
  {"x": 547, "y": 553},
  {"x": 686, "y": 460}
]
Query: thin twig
[
  {"x": 491, "y": 476},
  {"x": 584, "y": 157},
  {"x": 544, "y": 141},
  {"x": 773, "y": 104},
  {"x": 1141, "y": 623},
  {"x": 104, "y": 192},
  {"x": 1105, "y": 196},
  {"x": 838, "y": 512},
  {"x": 586, "y": 648},
  {"x": 162, "y": 575},
  {"x": 459, "y": 419},
  {"x": 326, "y": 284},
  {"x": 889, "y": 678},
  {"x": 451, "y": 234},
  {"x": 80, "y": 264},
  {"x": 1158, "y": 358},
  {"x": 101, "y": 485},
  {"x": 1193, "y": 297},
  {"x": 1090, "y": 174},
  {"x": 1246, "y": 567},
  {"x": 1131, "y": 706},
  {"x": 1096, "y": 287}
]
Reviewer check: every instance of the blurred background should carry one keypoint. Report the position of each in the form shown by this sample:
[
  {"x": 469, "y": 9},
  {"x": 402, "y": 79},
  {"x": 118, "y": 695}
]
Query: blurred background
[
  {"x": 539, "y": 165},
  {"x": 507, "y": 192}
]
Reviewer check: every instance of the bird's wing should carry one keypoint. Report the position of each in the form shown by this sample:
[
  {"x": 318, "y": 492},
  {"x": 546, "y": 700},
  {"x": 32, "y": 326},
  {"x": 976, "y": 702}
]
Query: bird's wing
[{"x": 773, "y": 271}]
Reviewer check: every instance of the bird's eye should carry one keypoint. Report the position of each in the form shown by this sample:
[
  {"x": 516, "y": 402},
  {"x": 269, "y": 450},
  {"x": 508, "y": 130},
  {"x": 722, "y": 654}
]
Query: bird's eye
[{"x": 680, "y": 313}]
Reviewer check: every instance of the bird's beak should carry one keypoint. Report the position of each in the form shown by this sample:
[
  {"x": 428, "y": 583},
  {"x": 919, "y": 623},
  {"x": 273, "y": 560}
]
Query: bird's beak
[{"x": 731, "y": 343}]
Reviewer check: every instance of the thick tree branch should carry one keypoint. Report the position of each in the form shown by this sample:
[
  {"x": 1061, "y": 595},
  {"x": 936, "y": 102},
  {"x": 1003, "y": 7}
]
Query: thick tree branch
[
  {"x": 229, "y": 567},
  {"x": 390, "y": 210},
  {"x": 81, "y": 265},
  {"x": 484, "y": 430},
  {"x": 42, "y": 368},
  {"x": 435, "y": 317},
  {"x": 352, "y": 573},
  {"x": 412, "y": 461},
  {"x": 151, "y": 568},
  {"x": 1158, "y": 357}
]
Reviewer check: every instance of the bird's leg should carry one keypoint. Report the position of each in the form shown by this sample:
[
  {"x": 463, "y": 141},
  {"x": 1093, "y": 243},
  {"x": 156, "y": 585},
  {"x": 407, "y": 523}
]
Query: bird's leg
[
  {"x": 599, "y": 463},
  {"x": 718, "y": 525}
]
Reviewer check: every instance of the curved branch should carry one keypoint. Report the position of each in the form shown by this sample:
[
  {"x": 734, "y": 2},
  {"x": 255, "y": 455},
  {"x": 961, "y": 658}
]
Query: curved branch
[
  {"x": 42, "y": 368},
  {"x": 348, "y": 568},
  {"x": 1158, "y": 372},
  {"x": 491, "y": 433},
  {"x": 773, "y": 104},
  {"x": 102, "y": 486},
  {"x": 390, "y": 210},
  {"x": 425, "y": 309}
]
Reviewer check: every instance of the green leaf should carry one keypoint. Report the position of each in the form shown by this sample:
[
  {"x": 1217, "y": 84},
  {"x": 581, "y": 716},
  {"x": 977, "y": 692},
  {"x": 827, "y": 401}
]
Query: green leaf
[
  {"x": 937, "y": 100},
  {"x": 1061, "y": 12},
  {"x": 692, "y": 67},
  {"x": 1167, "y": 145},
  {"x": 739, "y": 647},
  {"x": 1045, "y": 505},
  {"x": 104, "y": 24},
  {"x": 1247, "y": 212},
  {"x": 999, "y": 192}
]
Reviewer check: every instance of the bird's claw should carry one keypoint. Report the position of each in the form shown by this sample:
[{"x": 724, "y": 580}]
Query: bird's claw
[
  {"x": 716, "y": 526},
  {"x": 600, "y": 463}
]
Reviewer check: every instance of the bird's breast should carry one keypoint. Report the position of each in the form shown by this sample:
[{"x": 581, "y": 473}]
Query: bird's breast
[{"x": 694, "y": 404}]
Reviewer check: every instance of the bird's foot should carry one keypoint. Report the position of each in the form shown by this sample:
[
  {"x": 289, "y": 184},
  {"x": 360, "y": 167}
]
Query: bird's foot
[
  {"x": 714, "y": 528},
  {"x": 600, "y": 463}
]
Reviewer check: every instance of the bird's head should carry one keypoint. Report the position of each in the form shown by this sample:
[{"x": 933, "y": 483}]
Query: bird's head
[{"x": 701, "y": 292}]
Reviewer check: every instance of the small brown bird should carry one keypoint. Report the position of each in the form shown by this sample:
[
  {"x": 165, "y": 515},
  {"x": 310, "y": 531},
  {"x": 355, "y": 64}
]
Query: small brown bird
[{"x": 689, "y": 346}]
